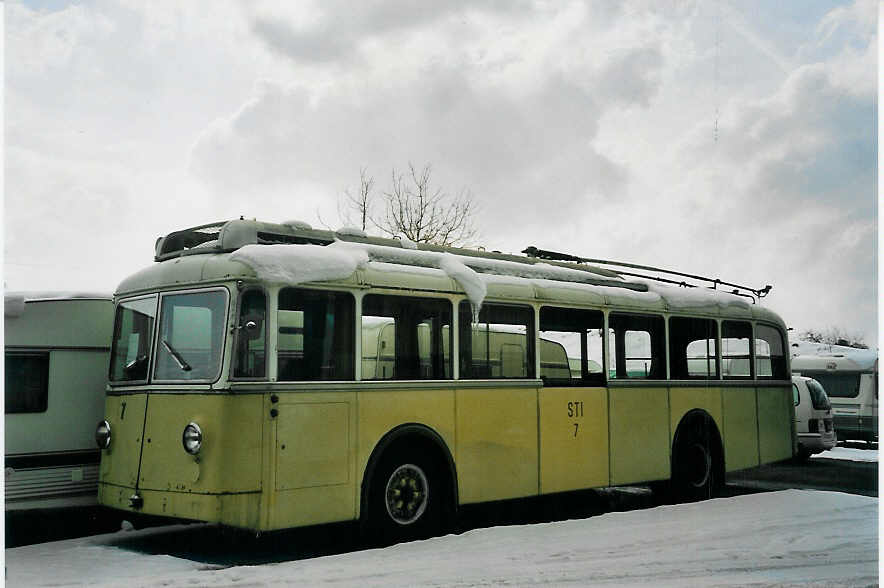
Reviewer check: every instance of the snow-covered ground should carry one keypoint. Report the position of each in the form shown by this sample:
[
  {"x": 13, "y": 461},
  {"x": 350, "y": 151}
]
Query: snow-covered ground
[
  {"x": 769, "y": 539},
  {"x": 849, "y": 454}
]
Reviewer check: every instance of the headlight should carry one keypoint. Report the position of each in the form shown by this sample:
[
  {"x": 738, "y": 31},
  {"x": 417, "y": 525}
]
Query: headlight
[
  {"x": 192, "y": 438},
  {"x": 103, "y": 435}
]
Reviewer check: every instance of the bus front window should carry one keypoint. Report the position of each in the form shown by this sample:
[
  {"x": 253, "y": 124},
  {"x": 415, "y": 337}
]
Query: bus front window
[
  {"x": 191, "y": 336},
  {"x": 133, "y": 327}
]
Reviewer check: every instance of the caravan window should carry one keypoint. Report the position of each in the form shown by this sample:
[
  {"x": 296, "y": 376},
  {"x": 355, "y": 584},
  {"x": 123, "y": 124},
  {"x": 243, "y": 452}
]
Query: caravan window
[{"x": 27, "y": 382}]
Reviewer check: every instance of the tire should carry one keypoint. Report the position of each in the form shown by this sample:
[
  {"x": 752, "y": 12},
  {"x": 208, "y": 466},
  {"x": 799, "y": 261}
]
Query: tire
[
  {"x": 406, "y": 498},
  {"x": 802, "y": 456},
  {"x": 695, "y": 461}
]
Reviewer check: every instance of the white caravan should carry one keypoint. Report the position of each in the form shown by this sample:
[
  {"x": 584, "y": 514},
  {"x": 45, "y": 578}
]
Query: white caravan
[
  {"x": 56, "y": 348},
  {"x": 850, "y": 378}
]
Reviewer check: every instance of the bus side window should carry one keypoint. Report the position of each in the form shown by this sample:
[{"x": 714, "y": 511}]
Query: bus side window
[
  {"x": 250, "y": 348},
  {"x": 637, "y": 346},
  {"x": 315, "y": 336},
  {"x": 571, "y": 346},
  {"x": 736, "y": 353},
  {"x": 770, "y": 357},
  {"x": 500, "y": 345},
  {"x": 405, "y": 338},
  {"x": 692, "y": 343}
]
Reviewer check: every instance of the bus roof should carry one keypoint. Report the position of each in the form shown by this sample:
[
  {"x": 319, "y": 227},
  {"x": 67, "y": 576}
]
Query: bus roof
[{"x": 293, "y": 253}]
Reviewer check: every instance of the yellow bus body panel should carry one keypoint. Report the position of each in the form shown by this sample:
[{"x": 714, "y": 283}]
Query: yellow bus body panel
[
  {"x": 119, "y": 463},
  {"x": 775, "y": 409},
  {"x": 640, "y": 435},
  {"x": 740, "y": 431},
  {"x": 683, "y": 400},
  {"x": 222, "y": 483},
  {"x": 573, "y": 439},
  {"x": 497, "y": 444},
  {"x": 382, "y": 409},
  {"x": 230, "y": 459},
  {"x": 314, "y": 456}
]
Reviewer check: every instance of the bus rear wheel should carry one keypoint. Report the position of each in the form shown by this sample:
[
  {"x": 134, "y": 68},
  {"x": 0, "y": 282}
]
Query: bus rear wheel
[
  {"x": 695, "y": 467},
  {"x": 405, "y": 499}
]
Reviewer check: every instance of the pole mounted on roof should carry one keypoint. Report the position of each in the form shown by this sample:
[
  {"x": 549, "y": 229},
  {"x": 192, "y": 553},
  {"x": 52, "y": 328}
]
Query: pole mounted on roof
[{"x": 739, "y": 290}]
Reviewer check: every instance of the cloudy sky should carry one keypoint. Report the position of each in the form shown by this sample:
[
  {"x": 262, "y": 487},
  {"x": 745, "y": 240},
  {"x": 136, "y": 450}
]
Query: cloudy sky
[{"x": 736, "y": 139}]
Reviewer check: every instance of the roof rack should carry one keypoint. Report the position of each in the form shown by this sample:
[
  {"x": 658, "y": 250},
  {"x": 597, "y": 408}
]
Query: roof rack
[{"x": 754, "y": 293}]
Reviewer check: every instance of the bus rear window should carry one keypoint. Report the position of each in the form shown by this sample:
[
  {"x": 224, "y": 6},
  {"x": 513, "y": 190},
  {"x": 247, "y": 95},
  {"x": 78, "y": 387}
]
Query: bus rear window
[
  {"x": 191, "y": 336},
  {"x": 770, "y": 357}
]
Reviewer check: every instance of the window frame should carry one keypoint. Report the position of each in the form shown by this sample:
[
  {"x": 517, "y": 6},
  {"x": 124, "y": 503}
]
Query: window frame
[
  {"x": 664, "y": 360},
  {"x": 238, "y": 330},
  {"x": 581, "y": 381},
  {"x": 223, "y": 343},
  {"x": 716, "y": 356},
  {"x": 438, "y": 300},
  {"x": 151, "y": 341},
  {"x": 352, "y": 329},
  {"x": 784, "y": 346},
  {"x": 46, "y": 371},
  {"x": 531, "y": 337}
]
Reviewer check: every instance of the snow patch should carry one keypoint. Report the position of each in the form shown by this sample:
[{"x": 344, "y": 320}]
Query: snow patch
[
  {"x": 351, "y": 231},
  {"x": 721, "y": 542},
  {"x": 408, "y": 243},
  {"x": 299, "y": 264},
  {"x": 849, "y": 454},
  {"x": 468, "y": 279}
]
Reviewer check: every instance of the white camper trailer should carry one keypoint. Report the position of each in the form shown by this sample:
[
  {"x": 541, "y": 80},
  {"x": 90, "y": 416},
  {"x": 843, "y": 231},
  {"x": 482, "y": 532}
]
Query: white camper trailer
[
  {"x": 56, "y": 348},
  {"x": 850, "y": 378}
]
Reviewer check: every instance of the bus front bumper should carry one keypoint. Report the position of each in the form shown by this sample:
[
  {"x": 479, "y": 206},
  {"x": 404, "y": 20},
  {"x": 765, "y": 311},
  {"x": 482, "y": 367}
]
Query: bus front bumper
[{"x": 236, "y": 510}]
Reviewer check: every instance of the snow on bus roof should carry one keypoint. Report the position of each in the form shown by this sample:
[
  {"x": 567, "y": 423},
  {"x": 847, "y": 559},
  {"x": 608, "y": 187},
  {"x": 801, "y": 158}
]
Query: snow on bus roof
[{"x": 302, "y": 263}]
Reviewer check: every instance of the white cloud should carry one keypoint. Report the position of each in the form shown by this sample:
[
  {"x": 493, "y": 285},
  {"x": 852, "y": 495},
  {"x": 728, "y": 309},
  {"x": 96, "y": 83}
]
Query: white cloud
[{"x": 578, "y": 126}]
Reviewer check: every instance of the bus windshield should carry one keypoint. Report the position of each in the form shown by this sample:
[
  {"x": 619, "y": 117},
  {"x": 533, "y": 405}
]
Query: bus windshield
[
  {"x": 191, "y": 336},
  {"x": 133, "y": 328}
]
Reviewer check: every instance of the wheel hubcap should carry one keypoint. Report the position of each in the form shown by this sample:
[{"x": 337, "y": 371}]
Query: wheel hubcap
[{"x": 407, "y": 494}]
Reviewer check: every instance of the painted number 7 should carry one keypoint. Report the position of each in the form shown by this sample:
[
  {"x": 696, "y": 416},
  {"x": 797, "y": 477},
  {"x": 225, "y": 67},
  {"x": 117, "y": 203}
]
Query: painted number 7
[{"x": 576, "y": 426}]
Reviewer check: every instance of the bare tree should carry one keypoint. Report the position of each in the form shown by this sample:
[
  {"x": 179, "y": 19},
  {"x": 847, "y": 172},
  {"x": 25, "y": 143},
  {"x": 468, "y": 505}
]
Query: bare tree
[
  {"x": 426, "y": 214},
  {"x": 359, "y": 204}
]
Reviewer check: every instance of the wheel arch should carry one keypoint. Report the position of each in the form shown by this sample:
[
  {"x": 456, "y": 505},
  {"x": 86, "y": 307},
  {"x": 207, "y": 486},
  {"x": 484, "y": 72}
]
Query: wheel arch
[
  {"x": 409, "y": 433},
  {"x": 694, "y": 417}
]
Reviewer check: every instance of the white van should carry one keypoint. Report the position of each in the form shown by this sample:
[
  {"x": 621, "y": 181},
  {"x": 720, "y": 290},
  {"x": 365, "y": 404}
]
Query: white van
[
  {"x": 56, "y": 357},
  {"x": 850, "y": 378},
  {"x": 813, "y": 417}
]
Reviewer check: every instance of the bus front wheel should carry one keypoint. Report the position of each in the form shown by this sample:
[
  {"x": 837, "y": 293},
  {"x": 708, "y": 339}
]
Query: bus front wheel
[{"x": 405, "y": 498}]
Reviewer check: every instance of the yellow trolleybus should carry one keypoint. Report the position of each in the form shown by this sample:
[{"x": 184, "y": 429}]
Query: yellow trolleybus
[{"x": 267, "y": 376}]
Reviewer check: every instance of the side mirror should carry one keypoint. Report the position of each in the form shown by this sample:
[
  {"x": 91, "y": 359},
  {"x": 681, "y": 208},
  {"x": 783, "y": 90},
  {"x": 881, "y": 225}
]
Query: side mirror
[{"x": 252, "y": 324}]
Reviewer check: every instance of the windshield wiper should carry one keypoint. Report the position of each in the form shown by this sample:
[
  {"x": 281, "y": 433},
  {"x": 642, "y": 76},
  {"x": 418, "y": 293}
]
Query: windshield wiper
[{"x": 176, "y": 356}]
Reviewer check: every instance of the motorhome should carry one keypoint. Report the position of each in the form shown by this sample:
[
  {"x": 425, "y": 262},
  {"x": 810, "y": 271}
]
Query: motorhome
[
  {"x": 850, "y": 378},
  {"x": 56, "y": 347}
]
